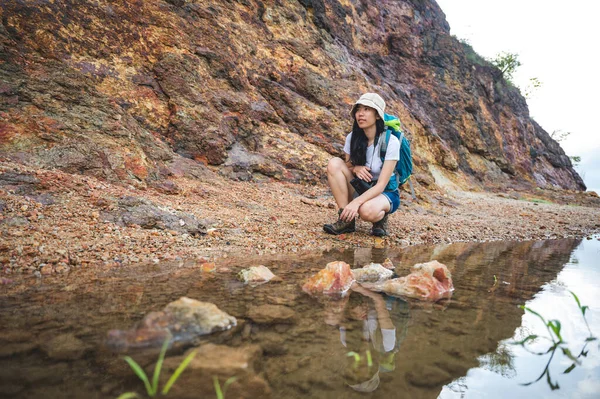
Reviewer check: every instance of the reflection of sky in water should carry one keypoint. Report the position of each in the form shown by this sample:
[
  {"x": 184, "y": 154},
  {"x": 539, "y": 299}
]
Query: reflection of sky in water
[{"x": 582, "y": 276}]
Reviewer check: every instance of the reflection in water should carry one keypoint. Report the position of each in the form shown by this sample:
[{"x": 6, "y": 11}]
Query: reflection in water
[
  {"x": 556, "y": 340},
  {"x": 500, "y": 362},
  {"x": 371, "y": 329},
  {"x": 553, "y": 343},
  {"x": 456, "y": 348}
]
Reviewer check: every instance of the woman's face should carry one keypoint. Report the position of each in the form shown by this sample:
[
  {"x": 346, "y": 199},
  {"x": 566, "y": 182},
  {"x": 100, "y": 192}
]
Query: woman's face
[{"x": 365, "y": 116}]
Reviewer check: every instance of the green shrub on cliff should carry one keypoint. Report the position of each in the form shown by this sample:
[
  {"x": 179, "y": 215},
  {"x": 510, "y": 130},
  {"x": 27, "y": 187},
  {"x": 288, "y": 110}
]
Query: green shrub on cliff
[{"x": 507, "y": 63}]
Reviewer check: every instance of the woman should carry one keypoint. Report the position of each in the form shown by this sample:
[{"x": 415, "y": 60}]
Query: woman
[{"x": 363, "y": 161}]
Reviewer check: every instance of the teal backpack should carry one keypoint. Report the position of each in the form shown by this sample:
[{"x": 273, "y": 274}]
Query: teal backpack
[{"x": 404, "y": 166}]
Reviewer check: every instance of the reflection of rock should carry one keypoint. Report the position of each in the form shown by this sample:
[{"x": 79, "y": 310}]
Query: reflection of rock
[
  {"x": 184, "y": 319},
  {"x": 372, "y": 273},
  {"x": 269, "y": 314},
  {"x": 336, "y": 278},
  {"x": 221, "y": 362},
  {"x": 65, "y": 347},
  {"x": 428, "y": 281},
  {"x": 256, "y": 275}
]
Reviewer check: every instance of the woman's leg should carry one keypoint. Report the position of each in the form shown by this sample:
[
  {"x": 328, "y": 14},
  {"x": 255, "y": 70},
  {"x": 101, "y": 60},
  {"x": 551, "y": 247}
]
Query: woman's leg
[
  {"x": 375, "y": 209},
  {"x": 339, "y": 177}
]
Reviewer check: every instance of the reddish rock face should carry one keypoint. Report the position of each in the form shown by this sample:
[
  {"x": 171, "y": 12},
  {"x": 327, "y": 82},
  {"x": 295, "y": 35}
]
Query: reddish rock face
[
  {"x": 336, "y": 278},
  {"x": 121, "y": 90}
]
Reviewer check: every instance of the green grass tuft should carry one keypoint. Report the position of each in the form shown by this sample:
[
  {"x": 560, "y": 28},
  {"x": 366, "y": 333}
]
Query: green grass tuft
[{"x": 152, "y": 388}]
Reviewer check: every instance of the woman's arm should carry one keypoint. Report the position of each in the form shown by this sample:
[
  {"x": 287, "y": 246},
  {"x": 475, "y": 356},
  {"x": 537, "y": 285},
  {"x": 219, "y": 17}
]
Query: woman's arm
[
  {"x": 351, "y": 210},
  {"x": 384, "y": 177}
]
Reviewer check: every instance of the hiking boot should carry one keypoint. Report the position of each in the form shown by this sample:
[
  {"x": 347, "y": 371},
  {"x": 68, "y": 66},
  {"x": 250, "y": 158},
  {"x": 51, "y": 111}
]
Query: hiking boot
[
  {"x": 380, "y": 228},
  {"x": 340, "y": 226}
]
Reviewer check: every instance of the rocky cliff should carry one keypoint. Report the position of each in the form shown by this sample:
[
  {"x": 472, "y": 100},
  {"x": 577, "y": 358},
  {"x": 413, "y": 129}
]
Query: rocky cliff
[{"x": 129, "y": 90}]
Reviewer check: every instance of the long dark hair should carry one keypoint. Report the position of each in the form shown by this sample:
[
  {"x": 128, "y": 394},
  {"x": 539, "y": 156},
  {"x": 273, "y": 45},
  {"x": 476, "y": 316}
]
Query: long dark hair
[{"x": 359, "y": 142}]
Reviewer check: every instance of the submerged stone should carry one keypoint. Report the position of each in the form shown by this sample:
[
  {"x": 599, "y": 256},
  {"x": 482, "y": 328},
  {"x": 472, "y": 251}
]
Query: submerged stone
[
  {"x": 268, "y": 314},
  {"x": 429, "y": 281},
  {"x": 182, "y": 320},
  {"x": 65, "y": 347},
  {"x": 220, "y": 362}
]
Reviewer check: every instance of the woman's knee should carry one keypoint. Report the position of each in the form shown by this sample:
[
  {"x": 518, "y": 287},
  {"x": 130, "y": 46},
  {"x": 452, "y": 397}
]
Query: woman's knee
[
  {"x": 335, "y": 165},
  {"x": 370, "y": 212}
]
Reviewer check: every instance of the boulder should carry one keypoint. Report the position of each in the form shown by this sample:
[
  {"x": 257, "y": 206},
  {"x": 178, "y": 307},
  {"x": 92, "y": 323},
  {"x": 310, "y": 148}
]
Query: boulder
[
  {"x": 429, "y": 281},
  {"x": 336, "y": 278},
  {"x": 141, "y": 212}
]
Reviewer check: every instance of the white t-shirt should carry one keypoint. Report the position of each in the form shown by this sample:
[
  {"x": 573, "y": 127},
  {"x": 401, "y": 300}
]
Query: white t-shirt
[{"x": 374, "y": 162}]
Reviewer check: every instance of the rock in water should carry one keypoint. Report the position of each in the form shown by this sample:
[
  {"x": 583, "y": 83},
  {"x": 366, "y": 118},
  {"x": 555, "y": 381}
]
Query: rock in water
[
  {"x": 221, "y": 362},
  {"x": 182, "y": 320},
  {"x": 429, "y": 281},
  {"x": 372, "y": 273},
  {"x": 256, "y": 275},
  {"x": 336, "y": 278},
  {"x": 271, "y": 314},
  {"x": 65, "y": 347}
]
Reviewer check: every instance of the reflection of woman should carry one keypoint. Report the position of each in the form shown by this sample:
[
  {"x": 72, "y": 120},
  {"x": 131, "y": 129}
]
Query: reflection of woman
[
  {"x": 384, "y": 323},
  {"x": 363, "y": 161}
]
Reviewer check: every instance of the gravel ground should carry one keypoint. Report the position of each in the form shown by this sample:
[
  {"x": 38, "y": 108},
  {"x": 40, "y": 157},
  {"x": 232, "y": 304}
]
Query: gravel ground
[{"x": 57, "y": 223}]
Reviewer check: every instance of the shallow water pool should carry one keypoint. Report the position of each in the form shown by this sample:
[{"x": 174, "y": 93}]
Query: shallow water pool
[{"x": 53, "y": 330}]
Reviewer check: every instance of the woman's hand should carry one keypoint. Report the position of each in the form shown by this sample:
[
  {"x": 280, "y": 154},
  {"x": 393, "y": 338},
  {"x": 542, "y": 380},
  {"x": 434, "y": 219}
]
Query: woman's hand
[
  {"x": 363, "y": 172},
  {"x": 350, "y": 211}
]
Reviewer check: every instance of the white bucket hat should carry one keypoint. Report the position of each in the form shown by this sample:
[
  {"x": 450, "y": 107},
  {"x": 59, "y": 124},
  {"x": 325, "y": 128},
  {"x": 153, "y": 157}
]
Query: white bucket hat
[{"x": 372, "y": 100}]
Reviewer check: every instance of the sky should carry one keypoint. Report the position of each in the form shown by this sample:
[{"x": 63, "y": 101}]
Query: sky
[{"x": 558, "y": 43}]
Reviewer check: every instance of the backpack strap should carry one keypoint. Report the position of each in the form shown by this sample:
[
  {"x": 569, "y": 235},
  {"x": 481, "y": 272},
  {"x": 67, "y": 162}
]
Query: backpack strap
[
  {"x": 383, "y": 150},
  {"x": 384, "y": 144}
]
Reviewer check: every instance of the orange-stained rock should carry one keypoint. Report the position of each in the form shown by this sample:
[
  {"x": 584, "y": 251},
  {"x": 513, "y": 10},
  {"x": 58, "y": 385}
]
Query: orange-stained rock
[
  {"x": 429, "y": 281},
  {"x": 336, "y": 278}
]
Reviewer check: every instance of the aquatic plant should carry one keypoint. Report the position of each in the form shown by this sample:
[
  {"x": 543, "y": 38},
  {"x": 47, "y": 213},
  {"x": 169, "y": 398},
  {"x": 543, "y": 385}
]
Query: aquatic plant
[
  {"x": 152, "y": 388},
  {"x": 555, "y": 337},
  {"x": 583, "y": 309},
  {"x": 369, "y": 359},
  {"x": 357, "y": 358},
  {"x": 221, "y": 392}
]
